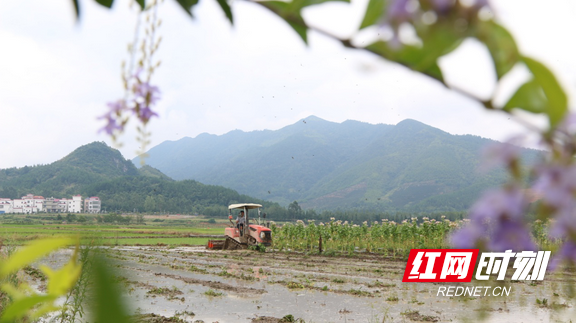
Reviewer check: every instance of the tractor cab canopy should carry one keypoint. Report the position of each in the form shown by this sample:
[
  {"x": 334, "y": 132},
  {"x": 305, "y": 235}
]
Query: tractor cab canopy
[
  {"x": 244, "y": 207},
  {"x": 247, "y": 206}
]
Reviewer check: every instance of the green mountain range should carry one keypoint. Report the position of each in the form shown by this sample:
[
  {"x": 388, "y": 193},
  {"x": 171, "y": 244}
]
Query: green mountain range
[
  {"x": 88, "y": 164},
  {"x": 98, "y": 170},
  {"x": 351, "y": 165},
  {"x": 409, "y": 167}
]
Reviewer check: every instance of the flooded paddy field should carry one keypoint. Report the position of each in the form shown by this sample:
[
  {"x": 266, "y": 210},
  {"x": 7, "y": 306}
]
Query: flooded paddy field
[{"x": 198, "y": 285}]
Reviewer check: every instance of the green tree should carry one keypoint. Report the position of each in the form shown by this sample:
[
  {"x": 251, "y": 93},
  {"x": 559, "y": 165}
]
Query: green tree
[
  {"x": 150, "y": 204},
  {"x": 70, "y": 217},
  {"x": 294, "y": 210}
]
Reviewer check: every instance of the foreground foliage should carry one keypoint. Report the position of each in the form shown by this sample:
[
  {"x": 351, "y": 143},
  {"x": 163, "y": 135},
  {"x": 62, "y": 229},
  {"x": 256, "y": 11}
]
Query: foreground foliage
[{"x": 26, "y": 303}]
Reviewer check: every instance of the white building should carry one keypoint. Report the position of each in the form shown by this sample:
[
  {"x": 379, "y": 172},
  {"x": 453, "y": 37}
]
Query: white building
[
  {"x": 6, "y": 206},
  {"x": 18, "y": 204},
  {"x": 51, "y": 205},
  {"x": 34, "y": 204},
  {"x": 62, "y": 205},
  {"x": 92, "y": 205},
  {"x": 75, "y": 204},
  {"x": 30, "y": 204},
  {"x": 39, "y": 203}
]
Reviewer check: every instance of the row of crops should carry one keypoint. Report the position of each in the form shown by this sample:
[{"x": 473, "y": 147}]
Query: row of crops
[{"x": 385, "y": 237}]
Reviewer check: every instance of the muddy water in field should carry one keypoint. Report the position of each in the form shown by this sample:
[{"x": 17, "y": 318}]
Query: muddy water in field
[{"x": 239, "y": 286}]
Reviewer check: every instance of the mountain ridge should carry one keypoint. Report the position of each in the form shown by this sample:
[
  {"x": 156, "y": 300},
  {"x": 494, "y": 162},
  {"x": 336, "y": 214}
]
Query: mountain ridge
[
  {"x": 98, "y": 170},
  {"x": 329, "y": 165}
]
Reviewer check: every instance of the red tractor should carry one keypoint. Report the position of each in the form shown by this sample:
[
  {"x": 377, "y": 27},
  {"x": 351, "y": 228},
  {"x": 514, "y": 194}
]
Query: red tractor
[{"x": 242, "y": 233}]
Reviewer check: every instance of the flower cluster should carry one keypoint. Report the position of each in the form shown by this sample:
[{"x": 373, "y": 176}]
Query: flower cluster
[
  {"x": 140, "y": 96},
  {"x": 428, "y": 12},
  {"x": 143, "y": 97},
  {"x": 113, "y": 117},
  {"x": 498, "y": 220}
]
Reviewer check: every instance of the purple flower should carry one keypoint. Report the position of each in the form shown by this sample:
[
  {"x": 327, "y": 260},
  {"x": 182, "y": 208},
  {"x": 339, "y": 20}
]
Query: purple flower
[
  {"x": 442, "y": 6},
  {"x": 467, "y": 237},
  {"x": 114, "y": 112},
  {"x": 111, "y": 126},
  {"x": 566, "y": 252},
  {"x": 512, "y": 235},
  {"x": 499, "y": 154},
  {"x": 564, "y": 224},
  {"x": 144, "y": 97},
  {"x": 146, "y": 93},
  {"x": 116, "y": 107},
  {"x": 145, "y": 114},
  {"x": 398, "y": 12},
  {"x": 568, "y": 125},
  {"x": 497, "y": 222},
  {"x": 556, "y": 184},
  {"x": 499, "y": 204},
  {"x": 496, "y": 236},
  {"x": 481, "y": 4}
]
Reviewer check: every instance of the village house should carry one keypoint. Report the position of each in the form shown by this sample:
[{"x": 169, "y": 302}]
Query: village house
[{"x": 35, "y": 204}]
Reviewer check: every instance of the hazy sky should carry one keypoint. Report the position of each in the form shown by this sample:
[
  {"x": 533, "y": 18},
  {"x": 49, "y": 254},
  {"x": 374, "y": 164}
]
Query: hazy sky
[{"x": 57, "y": 75}]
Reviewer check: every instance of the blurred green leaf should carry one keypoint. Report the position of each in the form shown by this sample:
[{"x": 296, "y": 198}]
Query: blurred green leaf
[
  {"x": 13, "y": 292},
  {"x": 76, "y": 8},
  {"x": 227, "y": 11},
  {"x": 557, "y": 100},
  {"x": 59, "y": 282},
  {"x": 106, "y": 3},
  {"x": 26, "y": 302},
  {"x": 108, "y": 305},
  {"x": 19, "y": 308},
  {"x": 434, "y": 71},
  {"x": 42, "y": 310},
  {"x": 187, "y": 5},
  {"x": 529, "y": 97},
  {"x": 410, "y": 56},
  {"x": 141, "y": 3},
  {"x": 290, "y": 12},
  {"x": 438, "y": 40},
  {"x": 501, "y": 45},
  {"x": 307, "y": 3},
  {"x": 301, "y": 30},
  {"x": 542, "y": 94},
  {"x": 33, "y": 251},
  {"x": 374, "y": 11}
]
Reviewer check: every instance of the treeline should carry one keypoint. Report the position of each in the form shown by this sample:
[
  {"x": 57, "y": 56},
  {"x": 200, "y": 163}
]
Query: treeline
[
  {"x": 294, "y": 212},
  {"x": 155, "y": 195},
  {"x": 142, "y": 194}
]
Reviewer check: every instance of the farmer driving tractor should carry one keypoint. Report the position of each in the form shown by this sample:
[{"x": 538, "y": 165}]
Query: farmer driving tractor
[
  {"x": 240, "y": 221},
  {"x": 244, "y": 232}
]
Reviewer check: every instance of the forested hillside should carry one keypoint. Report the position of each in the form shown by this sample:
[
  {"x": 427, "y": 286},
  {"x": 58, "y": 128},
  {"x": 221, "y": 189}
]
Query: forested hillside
[
  {"x": 87, "y": 164},
  {"x": 98, "y": 170},
  {"x": 350, "y": 165}
]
